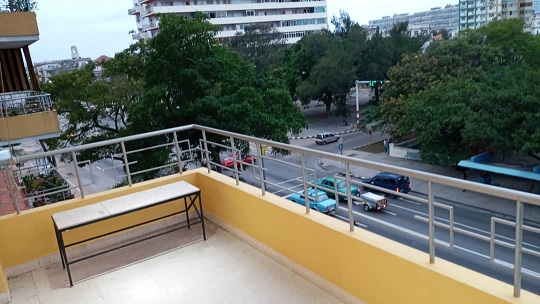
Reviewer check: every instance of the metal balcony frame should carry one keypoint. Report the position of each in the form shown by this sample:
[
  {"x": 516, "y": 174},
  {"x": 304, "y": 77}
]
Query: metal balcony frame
[{"x": 519, "y": 197}]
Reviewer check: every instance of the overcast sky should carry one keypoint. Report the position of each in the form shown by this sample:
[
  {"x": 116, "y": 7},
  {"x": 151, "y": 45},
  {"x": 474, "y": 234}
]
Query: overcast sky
[{"x": 101, "y": 27}]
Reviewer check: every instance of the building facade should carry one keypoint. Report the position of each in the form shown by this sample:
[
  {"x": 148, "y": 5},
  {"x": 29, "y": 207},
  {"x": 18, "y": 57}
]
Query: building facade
[
  {"x": 474, "y": 14},
  {"x": 292, "y": 18},
  {"x": 535, "y": 24},
  {"x": 421, "y": 23}
]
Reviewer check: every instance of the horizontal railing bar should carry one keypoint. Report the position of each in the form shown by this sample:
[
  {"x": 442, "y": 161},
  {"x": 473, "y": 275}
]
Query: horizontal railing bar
[
  {"x": 454, "y": 182},
  {"x": 455, "y": 229},
  {"x": 101, "y": 143},
  {"x": 439, "y": 179}
]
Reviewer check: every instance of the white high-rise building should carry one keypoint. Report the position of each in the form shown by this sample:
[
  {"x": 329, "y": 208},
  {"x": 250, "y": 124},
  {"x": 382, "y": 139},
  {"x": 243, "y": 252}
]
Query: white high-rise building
[
  {"x": 421, "y": 23},
  {"x": 474, "y": 14},
  {"x": 535, "y": 23},
  {"x": 294, "y": 18}
]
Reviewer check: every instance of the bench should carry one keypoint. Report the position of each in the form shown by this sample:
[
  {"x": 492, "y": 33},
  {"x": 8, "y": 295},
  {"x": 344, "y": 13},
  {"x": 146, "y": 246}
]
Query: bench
[{"x": 79, "y": 217}]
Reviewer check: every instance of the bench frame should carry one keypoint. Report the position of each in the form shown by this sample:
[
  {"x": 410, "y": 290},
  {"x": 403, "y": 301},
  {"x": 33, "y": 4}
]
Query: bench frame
[{"x": 193, "y": 196}]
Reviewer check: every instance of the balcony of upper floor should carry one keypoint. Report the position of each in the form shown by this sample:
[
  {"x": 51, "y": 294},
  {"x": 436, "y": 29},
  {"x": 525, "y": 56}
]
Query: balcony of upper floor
[
  {"x": 261, "y": 247},
  {"x": 136, "y": 10},
  {"x": 27, "y": 115},
  {"x": 18, "y": 29}
]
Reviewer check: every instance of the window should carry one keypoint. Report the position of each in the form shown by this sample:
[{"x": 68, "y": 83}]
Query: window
[{"x": 249, "y": 13}]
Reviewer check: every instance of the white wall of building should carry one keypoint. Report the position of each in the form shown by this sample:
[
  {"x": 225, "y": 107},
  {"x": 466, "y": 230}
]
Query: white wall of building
[{"x": 293, "y": 19}]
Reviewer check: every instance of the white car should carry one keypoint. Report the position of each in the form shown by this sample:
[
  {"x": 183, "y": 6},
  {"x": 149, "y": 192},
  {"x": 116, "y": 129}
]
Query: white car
[{"x": 325, "y": 138}]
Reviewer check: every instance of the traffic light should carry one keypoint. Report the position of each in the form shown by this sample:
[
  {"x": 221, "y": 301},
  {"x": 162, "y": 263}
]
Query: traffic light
[{"x": 375, "y": 83}]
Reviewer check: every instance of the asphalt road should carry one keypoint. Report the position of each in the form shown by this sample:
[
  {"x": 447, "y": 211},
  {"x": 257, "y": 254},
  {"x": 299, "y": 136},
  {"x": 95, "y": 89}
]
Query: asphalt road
[{"x": 400, "y": 221}]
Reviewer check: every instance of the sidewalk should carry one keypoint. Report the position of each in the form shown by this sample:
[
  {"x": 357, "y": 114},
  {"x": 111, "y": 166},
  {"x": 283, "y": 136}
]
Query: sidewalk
[{"x": 446, "y": 194}]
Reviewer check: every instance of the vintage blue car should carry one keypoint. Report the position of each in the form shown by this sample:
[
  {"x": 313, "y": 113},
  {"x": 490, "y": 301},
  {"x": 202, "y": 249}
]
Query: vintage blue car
[
  {"x": 327, "y": 185},
  {"x": 317, "y": 200}
]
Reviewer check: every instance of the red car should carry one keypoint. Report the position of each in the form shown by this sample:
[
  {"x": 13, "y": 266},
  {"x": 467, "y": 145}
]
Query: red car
[{"x": 229, "y": 161}]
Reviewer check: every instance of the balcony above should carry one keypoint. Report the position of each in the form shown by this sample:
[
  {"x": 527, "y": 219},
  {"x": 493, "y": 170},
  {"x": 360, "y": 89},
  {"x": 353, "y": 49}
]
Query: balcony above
[
  {"x": 27, "y": 115},
  {"x": 136, "y": 10},
  {"x": 18, "y": 29}
]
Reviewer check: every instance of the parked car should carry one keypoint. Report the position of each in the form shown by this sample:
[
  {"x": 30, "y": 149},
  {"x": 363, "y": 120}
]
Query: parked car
[
  {"x": 327, "y": 185},
  {"x": 317, "y": 200},
  {"x": 248, "y": 159},
  {"x": 390, "y": 181},
  {"x": 325, "y": 138},
  {"x": 229, "y": 160},
  {"x": 371, "y": 201}
]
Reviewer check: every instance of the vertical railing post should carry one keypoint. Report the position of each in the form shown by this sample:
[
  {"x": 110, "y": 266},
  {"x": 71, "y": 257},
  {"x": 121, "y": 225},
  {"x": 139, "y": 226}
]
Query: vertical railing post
[
  {"x": 178, "y": 154},
  {"x": 451, "y": 218},
  {"x": 304, "y": 178},
  {"x": 349, "y": 195},
  {"x": 77, "y": 174},
  {"x": 431, "y": 223},
  {"x": 235, "y": 165},
  {"x": 492, "y": 241},
  {"x": 206, "y": 152},
  {"x": 262, "y": 176},
  {"x": 518, "y": 253},
  {"x": 126, "y": 163}
]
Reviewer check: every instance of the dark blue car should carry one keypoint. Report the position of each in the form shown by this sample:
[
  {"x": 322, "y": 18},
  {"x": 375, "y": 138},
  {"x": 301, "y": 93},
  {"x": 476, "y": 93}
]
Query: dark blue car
[{"x": 390, "y": 181}]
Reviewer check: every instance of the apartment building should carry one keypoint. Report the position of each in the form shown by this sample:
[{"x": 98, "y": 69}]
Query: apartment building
[
  {"x": 535, "y": 23},
  {"x": 474, "y": 14},
  {"x": 293, "y": 18},
  {"x": 421, "y": 23}
]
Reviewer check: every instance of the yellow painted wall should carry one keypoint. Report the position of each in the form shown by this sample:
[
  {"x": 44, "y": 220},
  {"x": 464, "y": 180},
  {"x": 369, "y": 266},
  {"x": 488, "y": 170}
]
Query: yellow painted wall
[
  {"x": 22, "y": 126},
  {"x": 3, "y": 280},
  {"x": 18, "y": 24},
  {"x": 370, "y": 267}
]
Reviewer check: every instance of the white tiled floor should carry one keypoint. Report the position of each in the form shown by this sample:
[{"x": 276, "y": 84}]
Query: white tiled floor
[{"x": 222, "y": 269}]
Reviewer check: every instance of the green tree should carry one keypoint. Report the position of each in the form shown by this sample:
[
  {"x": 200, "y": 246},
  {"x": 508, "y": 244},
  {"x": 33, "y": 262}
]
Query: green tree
[
  {"x": 474, "y": 92},
  {"x": 191, "y": 79},
  {"x": 261, "y": 44},
  {"x": 343, "y": 24}
]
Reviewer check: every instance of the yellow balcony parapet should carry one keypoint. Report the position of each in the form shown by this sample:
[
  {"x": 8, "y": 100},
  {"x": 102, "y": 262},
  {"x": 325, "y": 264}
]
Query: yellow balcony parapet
[
  {"x": 14, "y": 24},
  {"x": 18, "y": 29},
  {"x": 320, "y": 245}
]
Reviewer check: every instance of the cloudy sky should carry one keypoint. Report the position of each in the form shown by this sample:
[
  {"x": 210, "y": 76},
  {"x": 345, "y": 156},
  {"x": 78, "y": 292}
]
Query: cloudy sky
[{"x": 101, "y": 27}]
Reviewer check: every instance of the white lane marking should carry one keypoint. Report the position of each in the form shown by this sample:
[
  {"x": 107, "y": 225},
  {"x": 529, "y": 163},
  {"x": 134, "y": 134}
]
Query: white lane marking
[
  {"x": 347, "y": 220},
  {"x": 391, "y": 213},
  {"x": 487, "y": 233},
  {"x": 288, "y": 181},
  {"x": 408, "y": 201}
]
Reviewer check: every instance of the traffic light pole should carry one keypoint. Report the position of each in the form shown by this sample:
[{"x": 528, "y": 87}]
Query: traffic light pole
[{"x": 357, "y": 82}]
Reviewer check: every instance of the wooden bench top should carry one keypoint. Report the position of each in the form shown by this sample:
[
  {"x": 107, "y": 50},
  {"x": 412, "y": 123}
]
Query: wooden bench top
[{"x": 121, "y": 205}]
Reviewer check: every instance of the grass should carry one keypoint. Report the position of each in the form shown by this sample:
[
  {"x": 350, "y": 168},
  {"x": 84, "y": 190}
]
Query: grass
[{"x": 377, "y": 147}]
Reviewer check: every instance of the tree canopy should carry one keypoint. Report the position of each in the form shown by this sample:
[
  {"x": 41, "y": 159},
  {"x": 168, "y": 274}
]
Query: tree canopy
[{"x": 473, "y": 93}]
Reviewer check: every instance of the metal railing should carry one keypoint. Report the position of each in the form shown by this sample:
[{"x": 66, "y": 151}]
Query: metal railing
[
  {"x": 24, "y": 102},
  {"x": 181, "y": 151}
]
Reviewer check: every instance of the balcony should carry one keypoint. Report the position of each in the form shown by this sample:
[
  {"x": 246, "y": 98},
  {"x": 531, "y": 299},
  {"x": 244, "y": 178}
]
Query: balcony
[
  {"x": 18, "y": 29},
  {"x": 27, "y": 114},
  {"x": 345, "y": 262},
  {"x": 136, "y": 10}
]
